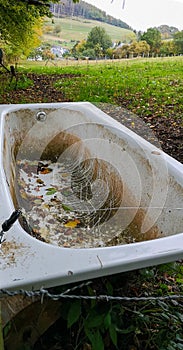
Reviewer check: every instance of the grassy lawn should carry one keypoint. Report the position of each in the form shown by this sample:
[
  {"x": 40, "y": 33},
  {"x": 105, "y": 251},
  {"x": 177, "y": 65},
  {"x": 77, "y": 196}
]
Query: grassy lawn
[
  {"x": 146, "y": 87},
  {"x": 142, "y": 86}
]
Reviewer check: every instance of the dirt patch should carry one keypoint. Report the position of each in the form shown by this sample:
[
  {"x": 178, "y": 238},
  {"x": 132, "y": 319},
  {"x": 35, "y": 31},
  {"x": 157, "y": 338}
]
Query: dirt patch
[
  {"x": 41, "y": 91},
  {"x": 167, "y": 130}
]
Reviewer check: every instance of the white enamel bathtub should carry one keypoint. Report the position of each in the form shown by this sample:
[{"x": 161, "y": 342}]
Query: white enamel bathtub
[{"x": 121, "y": 198}]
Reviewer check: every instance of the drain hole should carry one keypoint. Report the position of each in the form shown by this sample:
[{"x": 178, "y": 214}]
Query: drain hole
[{"x": 41, "y": 116}]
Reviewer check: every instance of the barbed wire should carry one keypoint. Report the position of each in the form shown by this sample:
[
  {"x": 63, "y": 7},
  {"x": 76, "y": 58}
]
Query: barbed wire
[{"x": 64, "y": 295}]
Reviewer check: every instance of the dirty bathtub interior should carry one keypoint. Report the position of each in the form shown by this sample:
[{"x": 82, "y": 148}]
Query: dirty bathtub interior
[{"x": 95, "y": 197}]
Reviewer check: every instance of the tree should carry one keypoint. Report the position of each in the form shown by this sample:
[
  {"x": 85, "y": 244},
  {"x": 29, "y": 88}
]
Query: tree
[
  {"x": 98, "y": 40},
  {"x": 22, "y": 46},
  {"x": 134, "y": 49},
  {"x": 19, "y": 22},
  {"x": 153, "y": 38},
  {"x": 178, "y": 41},
  {"x": 90, "y": 53},
  {"x": 47, "y": 55},
  {"x": 78, "y": 48},
  {"x": 121, "y": 52},
  {"x": 140, "y": 48},
  {"x": 57, "y": 29},
  {"x": 168, "y": 48},
  {"x": 19, "y": 17}
]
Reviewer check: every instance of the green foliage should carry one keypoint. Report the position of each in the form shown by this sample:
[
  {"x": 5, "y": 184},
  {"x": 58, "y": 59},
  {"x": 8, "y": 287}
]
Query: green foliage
[
  {"x": 1, "y": 331},
  {"x": 35, "y": 53},
  {"x": 90, "y": 53},
  {"x": 96, "y": 45},
  {"x": 19, "y": 47},
  {"x": 168, "y": 48},
  {"x": 18, "y": 18},
  {"x": 19, "y": 24},
  {"x": 22, "y": 83},
  {"x": 95, "y": 338},
  {"x": 57, "y": 29},
  {"x": 74, "y": 313},
  {"x": 79, "y": 47},
  {"x": 136, "y": 48},
  {"x": 98, "y": 40},
  {"x": 95, "y": 322},
  {"x": 47, "y": 54},
  {"x": 147, "y": 325},
  {"x": 153, "y": 38},
  {"x": 178, "y": 41}
]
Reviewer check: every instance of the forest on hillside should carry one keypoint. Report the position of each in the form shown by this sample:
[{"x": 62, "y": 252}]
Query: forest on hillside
[{"x": 82, "y": 9}]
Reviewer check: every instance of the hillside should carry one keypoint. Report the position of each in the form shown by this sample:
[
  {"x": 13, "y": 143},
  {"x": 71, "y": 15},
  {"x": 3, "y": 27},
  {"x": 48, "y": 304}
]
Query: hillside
[
  {"x": 167, "y": 32},
  {"x": 66, "y": 31},
  {"x": 67, "y": 8}
]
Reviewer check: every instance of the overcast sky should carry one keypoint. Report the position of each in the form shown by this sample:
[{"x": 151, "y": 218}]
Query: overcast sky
[{"x": 143, "y": 14}]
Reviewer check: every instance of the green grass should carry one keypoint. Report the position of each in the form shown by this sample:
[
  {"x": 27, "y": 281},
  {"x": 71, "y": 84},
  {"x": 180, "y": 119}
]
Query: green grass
[
  {"x": 146, "y": 87},
  {"x": 77, "y": 29},
  {"x": 141, "y": 85},
  {"x": 7, "y": 85}
]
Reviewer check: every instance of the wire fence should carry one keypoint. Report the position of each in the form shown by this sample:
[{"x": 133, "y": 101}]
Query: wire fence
[
  {"x": 42, "y": 293},
  {"x": 166, "y": 309}
]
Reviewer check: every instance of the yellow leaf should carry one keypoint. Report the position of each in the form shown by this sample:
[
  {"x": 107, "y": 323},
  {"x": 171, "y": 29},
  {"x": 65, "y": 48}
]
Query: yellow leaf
[
  {"x": 46, "y": 171},
  {"x": 72, "y": 223}
]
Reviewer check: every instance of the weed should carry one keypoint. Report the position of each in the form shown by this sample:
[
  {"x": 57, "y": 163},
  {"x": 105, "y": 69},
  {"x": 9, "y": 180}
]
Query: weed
[
  {"x": 22, "y": 83},
  {"x": 146, "y": 325}
]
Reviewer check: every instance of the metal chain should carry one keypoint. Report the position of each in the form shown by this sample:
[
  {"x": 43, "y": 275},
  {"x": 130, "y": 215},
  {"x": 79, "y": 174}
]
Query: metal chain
[{"x": 45, "y": 293}]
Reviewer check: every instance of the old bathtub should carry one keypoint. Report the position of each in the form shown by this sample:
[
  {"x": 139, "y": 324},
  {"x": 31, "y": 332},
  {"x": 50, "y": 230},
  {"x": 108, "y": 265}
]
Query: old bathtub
[{"x": 96, "y": 199}]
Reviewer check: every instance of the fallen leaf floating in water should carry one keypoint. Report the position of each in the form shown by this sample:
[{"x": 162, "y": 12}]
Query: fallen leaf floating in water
[
  {"x": 72, "y": 223},
  {"x": 46, "y": 171},
  {"x": 38, "y": 201},
  {"x": 39, "y": 181},
  {"x": 66, "y": 207},
  {"x": 50, "y": 191},
  {"x": 43, "y": 168}
]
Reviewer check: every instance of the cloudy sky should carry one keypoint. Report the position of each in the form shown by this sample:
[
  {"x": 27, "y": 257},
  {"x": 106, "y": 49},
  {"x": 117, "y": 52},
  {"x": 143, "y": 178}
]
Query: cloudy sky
[{"x": 143, "y": 14}]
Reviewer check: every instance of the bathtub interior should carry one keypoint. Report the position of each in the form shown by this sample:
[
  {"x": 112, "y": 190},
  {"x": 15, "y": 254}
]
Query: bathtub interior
[{"x": 83, "y": 181}]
